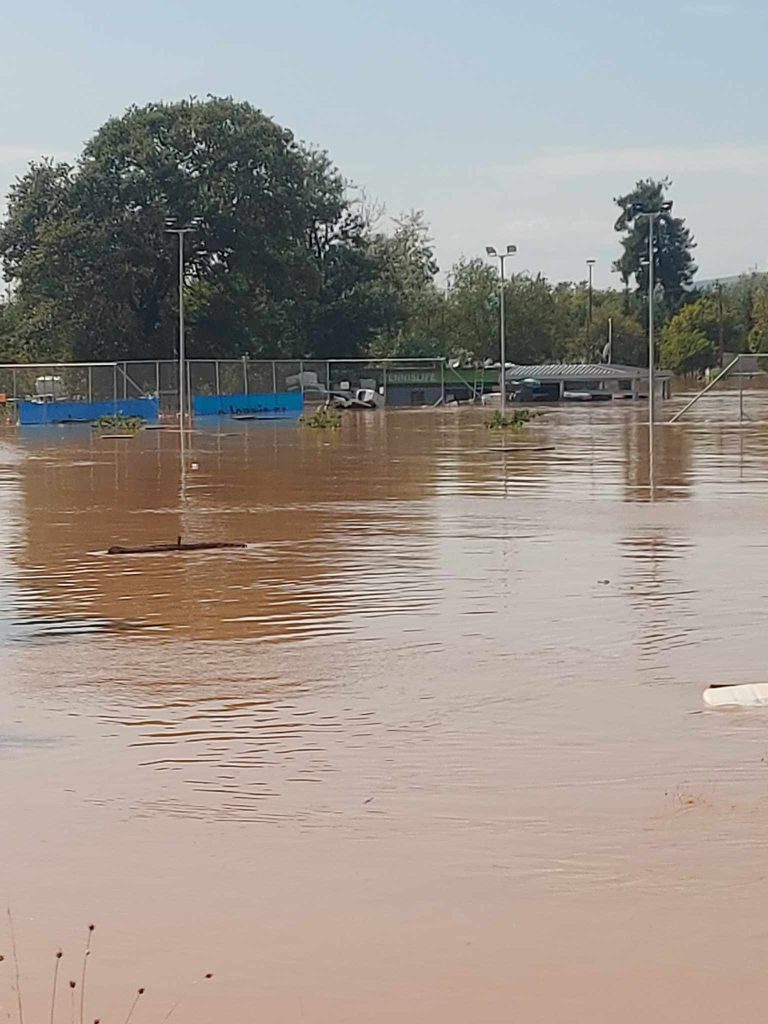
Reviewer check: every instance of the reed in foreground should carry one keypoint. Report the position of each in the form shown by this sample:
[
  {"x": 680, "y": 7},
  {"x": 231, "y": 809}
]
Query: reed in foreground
[{"x": 77, "y": 999}]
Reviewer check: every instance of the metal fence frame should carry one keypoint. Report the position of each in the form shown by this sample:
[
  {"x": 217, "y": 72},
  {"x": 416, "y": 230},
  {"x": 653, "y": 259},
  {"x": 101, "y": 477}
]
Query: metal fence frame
[
  {"x": 733, "y": 369},
  {"x": 123, "y": 379}
]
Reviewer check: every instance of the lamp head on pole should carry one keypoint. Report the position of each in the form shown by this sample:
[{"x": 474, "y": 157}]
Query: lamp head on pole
[
  {"x": 490, "y": 250},
  {"x": 172, "y": 225},
  {"x": 641, "y": 209},
  {"x": 511, "y": 249}
]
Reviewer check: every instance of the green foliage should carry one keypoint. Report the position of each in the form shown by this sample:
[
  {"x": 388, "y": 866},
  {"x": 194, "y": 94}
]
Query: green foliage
[
  {"x": 323, "y": 418},
  {"x": 470, "y": 324},
  {"x": 118, "y": 424},
  {"x": 687, "y": 342},
  {"x": 514, "y": 420},
  {"x": 8, "y": 413},
  {"x": 405, "y": 292},
  {"x": 673, "y": 243},
  {"x": 277, "y": 251},
  {"x": 742, "y": 310},
  {"x": 630, "y": 336},
  {"x": 757, "y": 336},
  {"x": 286, "y": 262}
]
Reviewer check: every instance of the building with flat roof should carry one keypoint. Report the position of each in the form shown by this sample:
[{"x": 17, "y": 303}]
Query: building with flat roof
[{"x": 562, "y": 380}]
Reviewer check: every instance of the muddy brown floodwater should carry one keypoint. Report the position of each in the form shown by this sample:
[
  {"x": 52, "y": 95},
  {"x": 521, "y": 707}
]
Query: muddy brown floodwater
[{"x": 431, "y": 749}]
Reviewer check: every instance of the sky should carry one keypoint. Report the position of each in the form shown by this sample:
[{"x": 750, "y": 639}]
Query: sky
[{"x": 505, "y": 122}]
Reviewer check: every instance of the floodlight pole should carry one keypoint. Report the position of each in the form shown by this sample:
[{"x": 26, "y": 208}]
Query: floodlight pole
[
  {"x": 501, "y": 257},
  {"x": 590, "y": 267},
  {"x": 651, "y": 342},
  {"x": 180, "y": 233},
  {"x": 652, "y": 215}
]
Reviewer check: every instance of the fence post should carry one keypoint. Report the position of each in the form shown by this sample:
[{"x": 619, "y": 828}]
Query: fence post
[
  {"x": 114, "y": 387},
  {"x": 274, "y": 377},
  {"x": 442, "y": 381},
  {"x": 301, "y": 377},
  {"x": 217, "y": 376},
  {"x": 384, "y": 381}
]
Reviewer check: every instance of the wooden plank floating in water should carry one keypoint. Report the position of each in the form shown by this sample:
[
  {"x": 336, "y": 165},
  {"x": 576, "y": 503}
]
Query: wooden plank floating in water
[
  {"x": 151, "y": 549},
  {"x": 523, "y": 448},
  {"x": 255, "y": 416}
]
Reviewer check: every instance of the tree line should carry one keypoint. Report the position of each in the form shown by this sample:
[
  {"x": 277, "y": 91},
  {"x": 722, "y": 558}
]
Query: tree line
[{"x": 286, "y": 260}]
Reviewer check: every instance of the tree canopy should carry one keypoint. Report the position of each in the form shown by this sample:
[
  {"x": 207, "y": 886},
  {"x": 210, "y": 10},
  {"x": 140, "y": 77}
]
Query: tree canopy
[
  {"x": 688, "y": 340},
  {"x": 277, "y": 255},
  {"x": 288, "y": 260},
  {"x": 673, "y": 243}
]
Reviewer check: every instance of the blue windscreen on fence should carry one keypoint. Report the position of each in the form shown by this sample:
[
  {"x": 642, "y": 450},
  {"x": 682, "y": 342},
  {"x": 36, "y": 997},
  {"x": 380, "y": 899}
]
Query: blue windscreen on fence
[
  {"x": 40, "y": 413},
  {"x": 285, "y": 405}
]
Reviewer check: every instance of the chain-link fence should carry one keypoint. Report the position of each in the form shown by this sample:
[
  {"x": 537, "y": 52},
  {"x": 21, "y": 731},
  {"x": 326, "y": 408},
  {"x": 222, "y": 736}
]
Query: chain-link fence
[{"x": 406, "y": 381}]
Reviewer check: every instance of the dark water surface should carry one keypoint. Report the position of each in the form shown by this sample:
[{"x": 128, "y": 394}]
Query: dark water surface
[{"x": 432, "y": 748}]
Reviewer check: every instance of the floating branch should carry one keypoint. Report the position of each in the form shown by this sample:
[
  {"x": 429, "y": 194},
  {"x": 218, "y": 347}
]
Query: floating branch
[{"x": 148, "y": 549}]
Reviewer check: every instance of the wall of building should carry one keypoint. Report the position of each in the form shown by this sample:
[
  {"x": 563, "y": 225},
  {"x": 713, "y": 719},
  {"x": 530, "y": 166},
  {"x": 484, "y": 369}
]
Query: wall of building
[{"x": 413, "y": 395}]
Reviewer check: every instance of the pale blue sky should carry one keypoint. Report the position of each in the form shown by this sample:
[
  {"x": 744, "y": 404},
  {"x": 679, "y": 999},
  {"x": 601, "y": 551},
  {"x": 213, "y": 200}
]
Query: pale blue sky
[{"x": 503, "y": 121}]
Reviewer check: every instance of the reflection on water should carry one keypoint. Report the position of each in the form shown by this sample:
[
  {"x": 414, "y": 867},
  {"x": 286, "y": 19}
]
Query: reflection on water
[{"x": 441, "y": 716}]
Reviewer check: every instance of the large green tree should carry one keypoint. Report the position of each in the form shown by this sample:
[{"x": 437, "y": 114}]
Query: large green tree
[
  {"x": 471, "y": 323},
  {"x": 673, "y": 246},
  {"x": 408, "y": 300},
  {"x": 272, "y": 269}
]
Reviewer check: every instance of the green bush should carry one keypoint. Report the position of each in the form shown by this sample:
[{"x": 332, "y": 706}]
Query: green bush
[
  {"x": 323, "y": 418},
  {"x": 8, "y": 414},
  {"x": 515, "y": 420},
  {"x": 118, "y": 424}
]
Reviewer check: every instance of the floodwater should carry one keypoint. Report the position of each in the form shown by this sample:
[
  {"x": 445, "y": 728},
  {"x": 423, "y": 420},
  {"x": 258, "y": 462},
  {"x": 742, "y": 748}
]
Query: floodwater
[{"x": 432, "y": 748}]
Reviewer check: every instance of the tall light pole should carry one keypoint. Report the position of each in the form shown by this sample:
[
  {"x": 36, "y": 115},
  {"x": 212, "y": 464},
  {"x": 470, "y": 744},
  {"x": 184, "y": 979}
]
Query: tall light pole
[
  {"x": 640, "y": 210},
  {"x": 172, "y": 229},
  {"x": 590, "y": 265},
  {"x": 501, "y": 257}
]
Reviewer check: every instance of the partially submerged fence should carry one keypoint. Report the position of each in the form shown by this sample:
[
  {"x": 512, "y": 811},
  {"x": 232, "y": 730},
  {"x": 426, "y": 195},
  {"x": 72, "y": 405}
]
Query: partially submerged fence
[
  {"x": 742, "y": 368},
  {"x": 223, "y": 386}
]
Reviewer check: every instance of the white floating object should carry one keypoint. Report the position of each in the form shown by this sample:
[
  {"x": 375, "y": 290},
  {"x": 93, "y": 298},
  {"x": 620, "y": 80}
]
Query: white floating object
[
  {"x": 195, "y": 465},
  {"x": 747, "y": 695}
]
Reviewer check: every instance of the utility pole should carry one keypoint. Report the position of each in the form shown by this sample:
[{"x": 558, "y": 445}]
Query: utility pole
[{"x": 720, "y": 328}]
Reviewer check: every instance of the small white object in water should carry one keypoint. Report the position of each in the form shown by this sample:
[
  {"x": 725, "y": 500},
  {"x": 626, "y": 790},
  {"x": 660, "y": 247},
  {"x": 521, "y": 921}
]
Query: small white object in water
[
  {"x": 746, "y": 695},
  {"x": 195, "y": 465}
]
